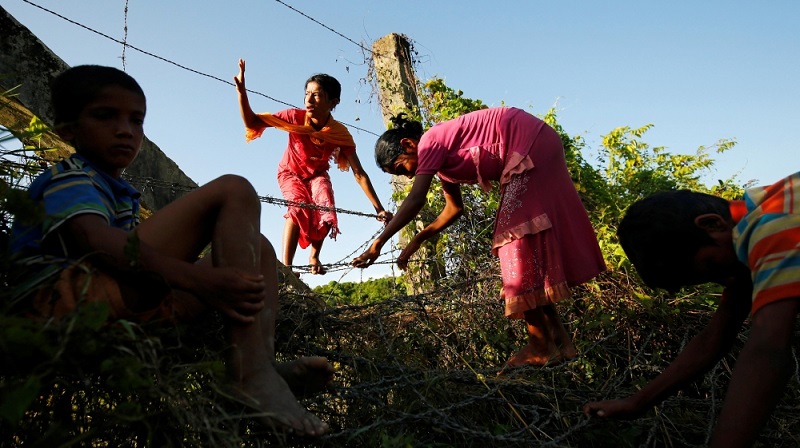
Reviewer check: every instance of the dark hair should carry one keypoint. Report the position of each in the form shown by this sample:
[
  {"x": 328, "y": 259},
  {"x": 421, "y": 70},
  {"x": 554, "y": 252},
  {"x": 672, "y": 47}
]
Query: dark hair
[
  {"x": 329, "y": 84},
  {"x": 76, "y": 87},
  {"x": 388, "y": 147},
  {"x": 660, "y": 237}
]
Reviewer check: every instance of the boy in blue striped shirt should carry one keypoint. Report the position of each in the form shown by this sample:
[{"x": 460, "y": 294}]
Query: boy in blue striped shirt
[{"x": 92, "y": 217}]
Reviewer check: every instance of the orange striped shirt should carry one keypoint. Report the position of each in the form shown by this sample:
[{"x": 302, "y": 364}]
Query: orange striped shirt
[{"x": 767, "y": 239}]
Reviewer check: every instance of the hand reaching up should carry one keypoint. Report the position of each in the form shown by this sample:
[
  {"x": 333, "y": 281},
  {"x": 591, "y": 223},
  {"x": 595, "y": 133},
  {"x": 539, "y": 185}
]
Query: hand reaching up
[{"x": 238, "y": 80}]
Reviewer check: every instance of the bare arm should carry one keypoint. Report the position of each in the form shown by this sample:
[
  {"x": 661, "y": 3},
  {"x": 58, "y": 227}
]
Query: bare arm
[
  {"x": 453, "y": 209},
  {"x": 760, "y": 376},
  {"x": 699, "y": 355},
  {"x": 363, "y": 180},
  {"x": 249, "y": 117},
  {"x": 237, "y": 294},
  {"x": 408, "y": 210}
]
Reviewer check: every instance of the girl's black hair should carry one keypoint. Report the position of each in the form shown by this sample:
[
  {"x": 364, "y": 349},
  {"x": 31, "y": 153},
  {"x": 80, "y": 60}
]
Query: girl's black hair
[
  {"x": 388, "y": 147},
  {"x": 329, "y": 84},
  {"x": 76, "y": 87}
]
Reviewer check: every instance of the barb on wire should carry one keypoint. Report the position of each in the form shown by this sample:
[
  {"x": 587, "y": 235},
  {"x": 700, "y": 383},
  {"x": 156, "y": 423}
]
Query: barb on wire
[
  {"x": 324, "y": 26},
  {"x": 124, "y": 33}
]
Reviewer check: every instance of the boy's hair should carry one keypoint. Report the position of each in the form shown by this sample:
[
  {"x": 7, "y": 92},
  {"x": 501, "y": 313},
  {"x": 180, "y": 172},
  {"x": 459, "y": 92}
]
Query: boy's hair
[
  {"x": 76, "y": 87},
  {"x": 660, "y": 237},
  {"x": 329, "y": 84}
]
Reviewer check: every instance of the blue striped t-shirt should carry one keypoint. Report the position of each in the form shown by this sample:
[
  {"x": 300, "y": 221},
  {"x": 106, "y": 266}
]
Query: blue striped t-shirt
[{"x": 67, "y": 189}]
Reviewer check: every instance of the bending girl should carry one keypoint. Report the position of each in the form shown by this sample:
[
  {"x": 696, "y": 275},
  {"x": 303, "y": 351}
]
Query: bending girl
[{"x": 542, "y": 234}]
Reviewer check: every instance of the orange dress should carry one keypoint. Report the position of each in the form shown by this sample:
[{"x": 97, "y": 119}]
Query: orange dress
[{"x": 303, "y": 171}]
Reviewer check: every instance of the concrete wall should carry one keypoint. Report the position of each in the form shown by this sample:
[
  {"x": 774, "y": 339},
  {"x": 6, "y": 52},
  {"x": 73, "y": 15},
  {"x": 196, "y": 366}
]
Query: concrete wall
[{"x": 27, "y": 65}]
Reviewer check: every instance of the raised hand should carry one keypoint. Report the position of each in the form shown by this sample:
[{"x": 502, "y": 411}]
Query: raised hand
[{"x": 238, "y": 80}]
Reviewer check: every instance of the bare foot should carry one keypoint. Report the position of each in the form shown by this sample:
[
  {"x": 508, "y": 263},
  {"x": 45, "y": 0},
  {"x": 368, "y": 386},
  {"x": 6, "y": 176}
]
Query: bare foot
[
  {"x": 316, "y": 266},
  {"x": 531, "y": 356},
  {"x": 270, "y": 395},
  {"x": 306, "y": 375}
]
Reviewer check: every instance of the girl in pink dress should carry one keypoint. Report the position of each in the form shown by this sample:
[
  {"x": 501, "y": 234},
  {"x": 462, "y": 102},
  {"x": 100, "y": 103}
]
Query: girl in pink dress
[
  {"x": 314, "y": 139},
  {"x": 542, "y": 234}
]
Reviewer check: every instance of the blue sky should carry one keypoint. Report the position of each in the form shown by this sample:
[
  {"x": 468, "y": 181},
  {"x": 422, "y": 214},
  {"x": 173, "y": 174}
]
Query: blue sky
[{"x": 699, "y": 71}]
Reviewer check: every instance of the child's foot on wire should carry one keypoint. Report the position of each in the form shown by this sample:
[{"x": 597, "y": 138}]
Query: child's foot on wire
[
  {"x": 306, "y": 375},
  {"x": 316, "y": 267}
]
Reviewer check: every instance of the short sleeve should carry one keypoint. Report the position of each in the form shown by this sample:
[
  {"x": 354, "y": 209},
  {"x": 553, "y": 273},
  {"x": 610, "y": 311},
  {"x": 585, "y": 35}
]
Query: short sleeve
[
  {"x": 70, "y": 194},
  {"x": 774, "y": 258},
  {"x": 430, "y": 156}
]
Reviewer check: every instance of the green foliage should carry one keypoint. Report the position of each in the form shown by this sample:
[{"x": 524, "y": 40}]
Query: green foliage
[
  {"x": 440, "y": 103},
  {"x": 17, "y": 169},
  {"x": 628, "y": 169},
  {"x": 360, "y": 293},
  {"x": 633, "y": 169}
]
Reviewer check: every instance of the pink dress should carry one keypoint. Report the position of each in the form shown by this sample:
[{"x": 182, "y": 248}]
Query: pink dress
[
  {"x": 303, "y": 177},
  {"x": 542, "y": 234}
]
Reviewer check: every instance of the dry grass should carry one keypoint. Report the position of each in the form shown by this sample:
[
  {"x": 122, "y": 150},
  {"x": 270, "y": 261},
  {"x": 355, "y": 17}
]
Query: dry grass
[{"x": 412, "y": 371}]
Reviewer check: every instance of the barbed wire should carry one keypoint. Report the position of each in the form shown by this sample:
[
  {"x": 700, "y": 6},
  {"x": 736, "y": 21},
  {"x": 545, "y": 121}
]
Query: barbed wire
[
  {"x": 124, "y": 33},
  {"x": 176, "y": 64},
  {"x": 146, "y": 182},
  {"x": 362, "y": 47}
]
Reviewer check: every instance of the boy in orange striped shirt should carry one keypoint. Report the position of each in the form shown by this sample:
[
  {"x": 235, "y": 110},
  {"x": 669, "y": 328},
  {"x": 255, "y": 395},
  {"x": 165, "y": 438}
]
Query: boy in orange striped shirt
[{"x": 752, "y": 248}]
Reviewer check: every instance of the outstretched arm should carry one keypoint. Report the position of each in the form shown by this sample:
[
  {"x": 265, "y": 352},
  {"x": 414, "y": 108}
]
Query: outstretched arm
[
  {"x": 699, "y": 355},
  {"x": 249, "y": 117},
  {"x": 408, "y": 210},
  {"x": 760, "y": 375},
  {"x": 363, "y": 180},
  {"x": 453, "y": 209}
]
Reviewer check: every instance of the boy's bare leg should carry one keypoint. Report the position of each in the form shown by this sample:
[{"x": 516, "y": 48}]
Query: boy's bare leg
[
  {"x": 253, "y": 359},
  {"x": 304, "y": 375},
  {"x": 227, "y": 212}
]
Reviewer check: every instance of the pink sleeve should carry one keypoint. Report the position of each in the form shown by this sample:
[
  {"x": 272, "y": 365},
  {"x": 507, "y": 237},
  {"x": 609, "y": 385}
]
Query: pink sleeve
[{"x": 430, "y": 155}]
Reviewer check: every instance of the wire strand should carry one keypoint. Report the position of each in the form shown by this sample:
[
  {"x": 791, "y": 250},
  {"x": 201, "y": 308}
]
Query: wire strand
[{"x": 181, "y": 66}]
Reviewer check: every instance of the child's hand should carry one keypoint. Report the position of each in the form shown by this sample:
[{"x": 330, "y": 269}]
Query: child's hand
[
  {"x": 238, "y": 80},
  {"x": 622, "y": 409},
  {"x": 385, "y": 217},
  {"x": 405, "y": 255},
  {"x": 236, "y": 294},
  {"x": 367, "y": 258}
]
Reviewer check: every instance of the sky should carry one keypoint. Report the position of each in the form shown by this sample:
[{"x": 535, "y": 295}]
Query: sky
[{"x": 699, "y": 71}]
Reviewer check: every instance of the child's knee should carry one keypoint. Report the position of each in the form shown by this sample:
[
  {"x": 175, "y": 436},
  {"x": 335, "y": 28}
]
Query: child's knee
[
  {"x": 267, "y": 250},
  {"x": 234, "y": 186}
]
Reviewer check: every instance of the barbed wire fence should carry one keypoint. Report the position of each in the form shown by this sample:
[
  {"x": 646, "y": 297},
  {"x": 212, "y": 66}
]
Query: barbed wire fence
[{"x": 422, "y": 369}]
